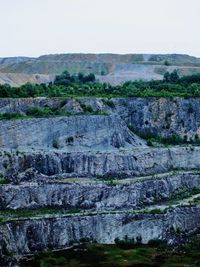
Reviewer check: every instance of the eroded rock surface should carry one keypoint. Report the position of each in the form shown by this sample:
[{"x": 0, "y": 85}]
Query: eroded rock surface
[
  {"x": 151, "y": 115},
  {"x": 101, "y": 195},
  {"x": 30, "y": 236},
  {"x": 65, "y": 179},
  {"x": 70, "y": 133},
  {"x": 124, "y": 163}
]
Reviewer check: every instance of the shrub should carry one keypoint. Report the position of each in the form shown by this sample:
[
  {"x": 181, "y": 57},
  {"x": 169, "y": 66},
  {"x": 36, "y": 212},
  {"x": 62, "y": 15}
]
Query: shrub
[
  {"x": 126, "y": 243},
  {"x": 109, "y": 103},
  {"x": 39, "y": 112},
  {"x": 190, "y": 109},
  {"x": 155, "y": 211},
  {"x": 11, "y": 116},
  {"x": 166, "y": 63},
  {"x": 86, "y": 108},
  {"x": 55, "y": 144},
  {"x": 47, "y": 111},
  {"x": 149, "y": 142},
  {"x": 157, "y": 243},
  {"x": 3, "y": 180},
  {"x": 131, "y": 128}
]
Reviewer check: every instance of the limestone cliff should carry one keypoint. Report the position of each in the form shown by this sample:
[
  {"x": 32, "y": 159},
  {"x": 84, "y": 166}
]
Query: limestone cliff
[
  {"x": 156, "y": 116},
  {"x": 90, "y": 176}
]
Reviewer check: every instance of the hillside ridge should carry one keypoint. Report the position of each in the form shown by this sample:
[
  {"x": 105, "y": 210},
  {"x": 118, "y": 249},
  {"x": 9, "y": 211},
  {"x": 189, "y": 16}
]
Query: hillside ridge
[{"x": 111, "y": 68}]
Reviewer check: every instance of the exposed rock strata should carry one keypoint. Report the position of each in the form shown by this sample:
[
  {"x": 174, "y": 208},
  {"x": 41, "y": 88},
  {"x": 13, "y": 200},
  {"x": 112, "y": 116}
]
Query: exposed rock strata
[
  {"x": 38, "y": 156},
  {"x": 29, "y": 236},
  {"x": 157, "y": 116},
  {"x": 98, "y": 195},
  {"x": 70, "y": 133},
  {"x": 144, "y": 161}
]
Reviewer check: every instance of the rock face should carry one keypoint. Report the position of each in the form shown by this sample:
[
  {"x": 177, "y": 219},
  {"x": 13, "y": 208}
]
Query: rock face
[
  {"x": 70, "y": 133},
  {"x": 22, "y": 105},
  {"x": 162, "y": 116},
  {"x": 91, "y": 164},
  {"x": 89, "y": 177},
  {"x": 30, "y": 236},
  {"x": 98, "y": 194},
  {"x": 155, "y": 116}
]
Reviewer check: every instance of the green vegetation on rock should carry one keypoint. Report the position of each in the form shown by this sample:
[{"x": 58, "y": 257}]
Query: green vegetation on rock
[
  {"x": 37, "y": 112},
  {"x": 11, "y": 116},
  {"x": 6, "y": 215},
  {"x": 3, "y": 180},
  {"x": 174, "y": 139}
]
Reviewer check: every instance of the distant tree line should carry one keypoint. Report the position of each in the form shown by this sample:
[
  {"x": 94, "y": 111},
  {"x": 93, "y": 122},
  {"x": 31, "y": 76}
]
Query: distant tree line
[
  {"x": 80, "y": 85},
  {"x": 66, "y": 79}
]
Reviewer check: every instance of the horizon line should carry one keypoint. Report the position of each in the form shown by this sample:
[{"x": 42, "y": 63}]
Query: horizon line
[{"x": 97, "y": 53}]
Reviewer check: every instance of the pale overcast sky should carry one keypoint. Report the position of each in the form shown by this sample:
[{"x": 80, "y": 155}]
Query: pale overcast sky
[{"x": 36, "y": 27}]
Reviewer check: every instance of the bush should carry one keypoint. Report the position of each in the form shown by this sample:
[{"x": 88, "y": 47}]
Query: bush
[
  {"x": 156, "y": 243},
  {"x": 149, "y": 142},
  {"x": 11, "y": 116},
  {"x": 46, "y": 112},
  {"x": 86, "y": 108},
  {"x": 55, "y": 144},
  {"x": 126, "y": 243},
  {"x": 3, "y": 180},
  {"x": 109, "y": 103},
  {"x": 190, "y": 109},
  {"x": 39, "y": 112},
  {"x": 193, "y": 245}
]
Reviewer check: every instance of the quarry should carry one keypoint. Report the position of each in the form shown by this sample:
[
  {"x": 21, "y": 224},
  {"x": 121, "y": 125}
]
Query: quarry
[{"x": 93, "y": 176}]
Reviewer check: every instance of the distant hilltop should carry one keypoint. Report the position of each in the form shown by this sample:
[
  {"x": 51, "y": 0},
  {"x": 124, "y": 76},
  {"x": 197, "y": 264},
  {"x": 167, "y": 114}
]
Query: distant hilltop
[{"x": 111, "y": 68}]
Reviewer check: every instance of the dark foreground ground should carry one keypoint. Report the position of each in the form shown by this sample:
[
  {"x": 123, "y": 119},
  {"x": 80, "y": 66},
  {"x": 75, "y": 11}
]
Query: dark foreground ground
[{"x": 120, "y": 255}]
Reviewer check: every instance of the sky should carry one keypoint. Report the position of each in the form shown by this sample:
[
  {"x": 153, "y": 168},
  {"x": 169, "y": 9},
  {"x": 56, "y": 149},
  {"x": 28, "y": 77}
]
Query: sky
[{"x": 37, "y": 27}]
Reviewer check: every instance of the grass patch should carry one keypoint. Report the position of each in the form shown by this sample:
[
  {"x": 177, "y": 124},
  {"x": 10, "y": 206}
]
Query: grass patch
[
  {"x": 6, "y": 215},
  {"x": 11, "y": 116},
  {"x": 155, "y": 254},
  {"x": 195, "y": 201},
  {"x": 154, "y": 211},
  {"x": 46, "y": 112},
  {"x": 37, "y": 112},
  {"x": 184, "y": 192},
  {"x": 153, "y": 139}
]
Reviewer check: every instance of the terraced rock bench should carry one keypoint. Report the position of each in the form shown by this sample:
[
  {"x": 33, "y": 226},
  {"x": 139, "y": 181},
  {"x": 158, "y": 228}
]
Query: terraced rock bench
[
  {"x": 26, "y": 236},
  {"x": 120, "y": 163},
  {"x": 89, "y": 177},
  {"x": 80, "y": 193}
]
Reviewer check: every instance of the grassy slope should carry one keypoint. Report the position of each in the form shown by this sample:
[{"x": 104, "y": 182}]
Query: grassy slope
[{"x": 113, "y": 256}]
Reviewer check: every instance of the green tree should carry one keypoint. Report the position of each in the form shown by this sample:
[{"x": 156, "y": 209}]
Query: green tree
[{"x": 174, "y": 76}]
